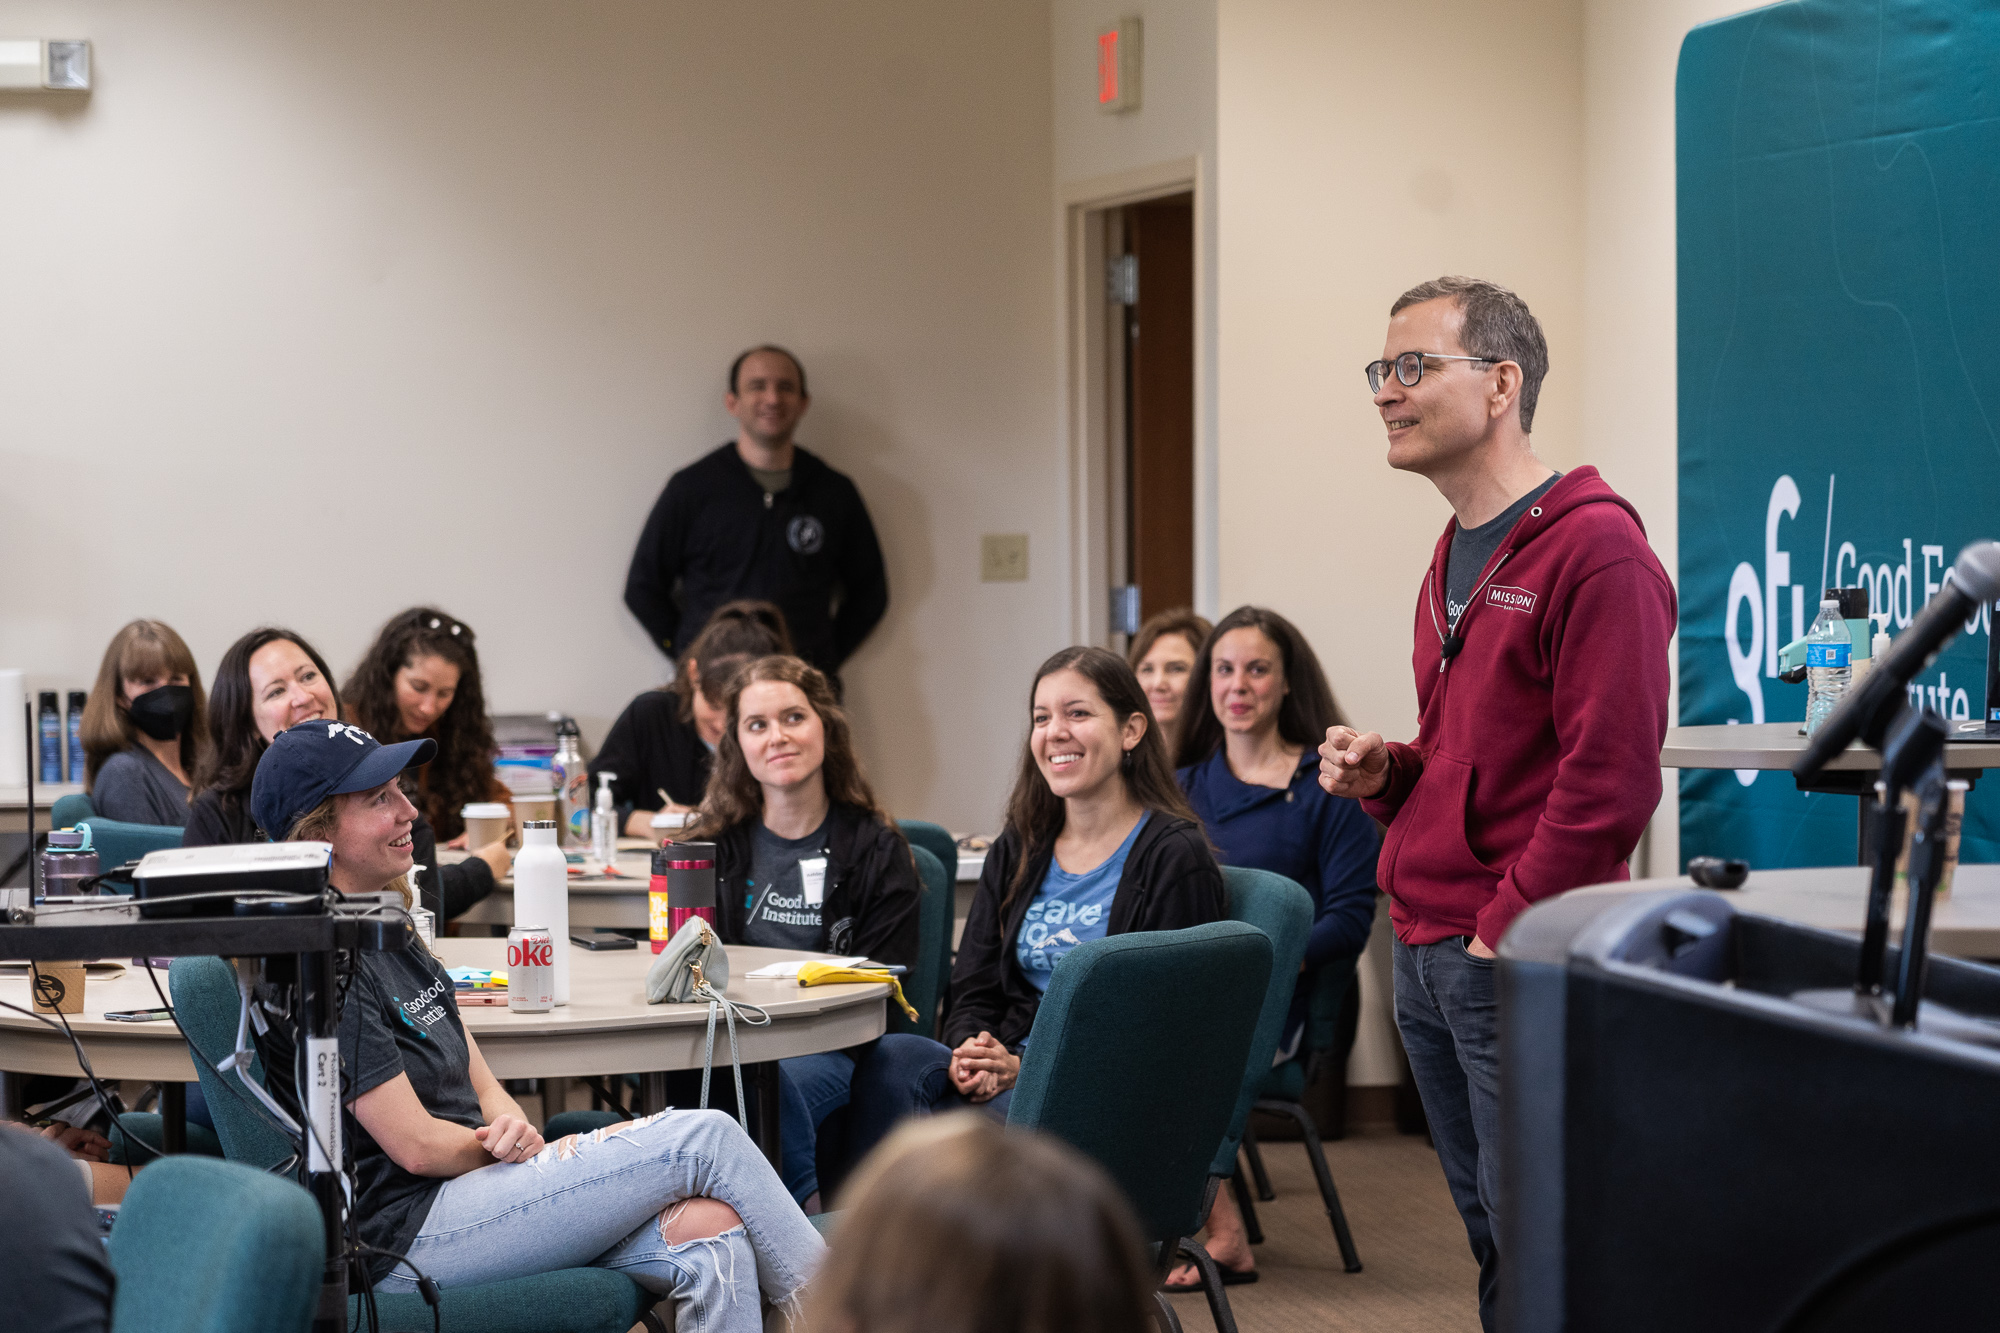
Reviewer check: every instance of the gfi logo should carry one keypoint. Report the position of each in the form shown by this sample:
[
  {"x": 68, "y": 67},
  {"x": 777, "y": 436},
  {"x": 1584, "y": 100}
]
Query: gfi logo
[{"x": 1514, "y": 599}]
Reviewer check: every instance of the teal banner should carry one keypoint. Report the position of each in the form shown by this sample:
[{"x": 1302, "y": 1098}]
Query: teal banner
[{"x": 1839, "y": 326}]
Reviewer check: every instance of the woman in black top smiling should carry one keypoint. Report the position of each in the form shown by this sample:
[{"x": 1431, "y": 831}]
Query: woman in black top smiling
[{"x": 272, "y": 679}]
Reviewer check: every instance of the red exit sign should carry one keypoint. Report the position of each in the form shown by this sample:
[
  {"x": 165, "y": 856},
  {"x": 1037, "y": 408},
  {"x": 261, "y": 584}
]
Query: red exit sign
[{"x": 1118, "y": 66}]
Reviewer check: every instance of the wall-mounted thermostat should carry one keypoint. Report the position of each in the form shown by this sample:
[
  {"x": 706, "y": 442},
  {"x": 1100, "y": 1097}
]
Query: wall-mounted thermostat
[{"x": 33, "y": 63}]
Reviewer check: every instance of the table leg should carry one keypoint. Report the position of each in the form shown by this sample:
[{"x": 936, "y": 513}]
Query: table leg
[
  {"x": 652, "y": 1094},
  {"x": 174, "y": 1117},
  {"x": 762, "y": 1091},
  {"x": 13, "y": 1095}
]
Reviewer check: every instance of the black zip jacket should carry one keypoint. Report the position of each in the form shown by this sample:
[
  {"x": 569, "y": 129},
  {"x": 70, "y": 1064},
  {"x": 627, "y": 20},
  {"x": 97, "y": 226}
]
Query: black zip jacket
[
  {"x": 222, "y": 818},
  {"x": 873, "y": 895},
  {"x": 1171, "y": 882},
  {"x": 715, "y": 535},
  {"x": 651, "y": 749}
]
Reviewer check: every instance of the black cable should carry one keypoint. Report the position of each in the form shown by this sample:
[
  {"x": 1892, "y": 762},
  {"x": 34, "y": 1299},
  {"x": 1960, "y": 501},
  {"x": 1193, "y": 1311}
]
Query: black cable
[{"x": 426, "y": 1288}]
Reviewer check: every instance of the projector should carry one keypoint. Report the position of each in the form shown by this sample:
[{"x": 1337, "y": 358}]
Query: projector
[{"x": 165, "y": 880}]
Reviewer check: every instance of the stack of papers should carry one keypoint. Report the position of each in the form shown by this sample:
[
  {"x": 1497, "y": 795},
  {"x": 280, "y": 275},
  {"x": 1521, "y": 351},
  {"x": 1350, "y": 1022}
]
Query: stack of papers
[{"x": 790, "y": 971}]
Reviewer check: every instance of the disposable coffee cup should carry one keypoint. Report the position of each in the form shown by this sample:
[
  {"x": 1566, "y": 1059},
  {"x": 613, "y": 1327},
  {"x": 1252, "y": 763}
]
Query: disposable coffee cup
[
  {"x": 57, "y": 987},
  {"x": 485, "y": 823},
  {"x": 534, "y": 805}
]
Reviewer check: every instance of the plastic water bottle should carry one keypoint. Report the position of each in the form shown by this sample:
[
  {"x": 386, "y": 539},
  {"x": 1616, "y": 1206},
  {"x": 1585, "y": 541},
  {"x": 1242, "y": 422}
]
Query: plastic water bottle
[
  {"x": 1829, "y": 654},
  {"x": 604, "y": 824}
]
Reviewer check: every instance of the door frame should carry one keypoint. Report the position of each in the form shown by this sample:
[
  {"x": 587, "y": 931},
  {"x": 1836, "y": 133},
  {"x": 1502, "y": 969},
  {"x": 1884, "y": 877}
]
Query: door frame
[{"x": 1090, "y": 417}]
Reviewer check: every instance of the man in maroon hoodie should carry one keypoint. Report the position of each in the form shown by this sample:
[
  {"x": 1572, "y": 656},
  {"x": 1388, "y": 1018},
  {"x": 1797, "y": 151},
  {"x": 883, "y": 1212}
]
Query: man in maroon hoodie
[{"x": 1541, "y": 663}]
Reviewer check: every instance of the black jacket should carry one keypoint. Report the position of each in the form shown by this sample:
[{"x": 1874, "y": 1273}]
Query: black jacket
[
  {"x": 1170, "y": 882},
  {"x": 714, "y": 536},
  {"x": 650, "y": 748},
  {"x": 221, "y": 818},
  {"x": 873, "y": 896}
]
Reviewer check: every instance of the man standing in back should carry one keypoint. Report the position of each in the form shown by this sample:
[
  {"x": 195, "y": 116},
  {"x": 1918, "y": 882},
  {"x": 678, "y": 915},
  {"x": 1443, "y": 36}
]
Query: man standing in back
[
  {"x": 1541, "y": 662},
  {"x": 761, "y": 518}
]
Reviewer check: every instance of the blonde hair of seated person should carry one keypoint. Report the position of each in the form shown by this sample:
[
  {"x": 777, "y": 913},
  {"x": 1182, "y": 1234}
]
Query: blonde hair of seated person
[{"x": 958, "y": 1225}]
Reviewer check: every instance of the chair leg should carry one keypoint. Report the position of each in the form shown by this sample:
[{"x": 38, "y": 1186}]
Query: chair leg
[
  {"x": 1241, "y": 1193},
  {"x": 650, "y": 1321},
  {"x": 1164, "y": 1308},
  {"x": 1350, "y": 1260},
  {"x": 1250, "y": 1149},
  {"x": 1211, "y": 1285}
]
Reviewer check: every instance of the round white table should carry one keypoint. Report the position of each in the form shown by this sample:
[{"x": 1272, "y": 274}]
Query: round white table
[{"x": 607, "y": 1029}]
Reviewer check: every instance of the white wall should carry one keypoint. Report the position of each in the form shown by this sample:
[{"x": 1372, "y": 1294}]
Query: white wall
[
  {"x": 319, "y": 311},
  {"x": 1629, "y": 300},
  {"x": 1175, "y": 121}
]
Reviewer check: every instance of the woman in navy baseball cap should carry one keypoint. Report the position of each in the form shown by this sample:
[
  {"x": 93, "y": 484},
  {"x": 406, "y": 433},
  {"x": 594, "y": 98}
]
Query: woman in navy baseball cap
[{"x": 448, "y": 1173}]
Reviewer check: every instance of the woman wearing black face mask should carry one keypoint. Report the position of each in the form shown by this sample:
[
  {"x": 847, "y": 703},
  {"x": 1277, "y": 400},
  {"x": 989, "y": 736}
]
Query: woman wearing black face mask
[{"x": 144, "y": 726}]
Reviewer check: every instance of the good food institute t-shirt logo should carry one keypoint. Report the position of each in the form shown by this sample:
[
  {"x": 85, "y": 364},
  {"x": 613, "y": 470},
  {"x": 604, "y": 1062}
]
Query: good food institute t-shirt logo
[
  {"x": 805, "y": 535},
  {"x": 1512, "y": 599}
]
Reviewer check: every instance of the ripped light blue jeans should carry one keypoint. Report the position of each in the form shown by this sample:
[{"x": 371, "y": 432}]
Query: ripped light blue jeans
[{"x": 603, "y": 1199}]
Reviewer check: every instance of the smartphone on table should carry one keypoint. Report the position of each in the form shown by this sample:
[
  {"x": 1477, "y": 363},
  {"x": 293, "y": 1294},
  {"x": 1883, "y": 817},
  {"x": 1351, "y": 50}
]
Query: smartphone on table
[
  {"x": 602, "y": 939},
  {"x": 138, "y": 1015}
]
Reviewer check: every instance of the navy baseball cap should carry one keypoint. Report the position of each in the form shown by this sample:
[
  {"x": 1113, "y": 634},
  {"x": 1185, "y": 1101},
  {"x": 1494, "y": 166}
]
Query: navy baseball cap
[{"x": 318, "y": 759}]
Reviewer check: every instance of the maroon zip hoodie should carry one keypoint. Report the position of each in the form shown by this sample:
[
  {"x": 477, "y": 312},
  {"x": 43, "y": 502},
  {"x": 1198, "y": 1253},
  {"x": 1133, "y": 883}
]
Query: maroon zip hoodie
[{"x": 1537, "y": 759}]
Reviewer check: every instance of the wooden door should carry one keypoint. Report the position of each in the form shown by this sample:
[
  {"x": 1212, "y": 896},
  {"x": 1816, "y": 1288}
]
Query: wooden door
[{"x": 1159, "y": 416}]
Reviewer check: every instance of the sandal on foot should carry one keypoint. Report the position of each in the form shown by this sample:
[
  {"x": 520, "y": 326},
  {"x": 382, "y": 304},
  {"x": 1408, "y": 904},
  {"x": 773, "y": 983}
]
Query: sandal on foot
[{"x": 1231, "y": 1277}]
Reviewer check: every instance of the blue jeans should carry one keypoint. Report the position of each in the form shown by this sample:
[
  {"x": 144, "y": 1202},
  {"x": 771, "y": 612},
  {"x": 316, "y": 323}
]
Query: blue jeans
[
  {"x": 603, "y": 1200},
  {"x": 810, "y": 1088},
  {"x": 1449, "y": 1015},
  {"x": 905, "y": 1075}
]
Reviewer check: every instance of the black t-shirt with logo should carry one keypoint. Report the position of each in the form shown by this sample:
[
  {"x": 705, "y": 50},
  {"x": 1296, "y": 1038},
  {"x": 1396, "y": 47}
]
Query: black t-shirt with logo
[
  {"x": 1471, "y": 548},
  {"x": 787, "y": 889},
  {"x": 400, "y": 1017}
]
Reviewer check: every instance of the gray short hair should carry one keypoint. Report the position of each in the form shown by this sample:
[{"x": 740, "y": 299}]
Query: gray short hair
[{"x": 1498, "y": 326}]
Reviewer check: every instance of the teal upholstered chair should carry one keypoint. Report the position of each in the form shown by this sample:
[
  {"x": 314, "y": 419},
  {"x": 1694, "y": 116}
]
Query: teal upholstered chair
[
  {"x": 572, "y": 1300},
  {"x": 117, "y": 842},
  {"x": 1283, "y": 910},
  {"x": 1118, "y": 1012},
  {"x": 924, "y": 986},
  {"x": 69, "y": 811},
  {"x": 933, "y": 971},
  {"x": 251, "y": 1266}
]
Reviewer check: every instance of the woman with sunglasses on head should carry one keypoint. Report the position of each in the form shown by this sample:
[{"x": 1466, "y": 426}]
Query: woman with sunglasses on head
[
  {"x": 1162, "y": 654},
  {"x": 272, "y": 679},
  {"x": 662, "y": 746},
  {"x": 804, "y": 859},
  {"x": 1099, "y": 841},
  {"x": 449, "y": 1175},
  {"x": 1258, "y": 706},
  {"x": 420, "y": 680},
  {"x": 144, "y": 726}
]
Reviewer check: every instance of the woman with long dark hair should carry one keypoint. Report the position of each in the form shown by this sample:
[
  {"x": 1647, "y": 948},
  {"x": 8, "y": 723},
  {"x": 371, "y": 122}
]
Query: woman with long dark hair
[
  {"x": 144, "y": 726},
  {"x": 1098, "y": 841},
  {"x": 271, "y": 679},
  {"x": 804, "y": 859},
  {"x": 663, "y": 744},
  {"x": 420, "y": 678},
  {"x": 1258, "y": 706}
]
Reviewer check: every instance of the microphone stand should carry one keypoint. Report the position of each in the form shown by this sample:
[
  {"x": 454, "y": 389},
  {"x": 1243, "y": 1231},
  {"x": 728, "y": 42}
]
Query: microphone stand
[
  {"x": 1913, "y": 742},
  {"x": 1926, "y": 869}
]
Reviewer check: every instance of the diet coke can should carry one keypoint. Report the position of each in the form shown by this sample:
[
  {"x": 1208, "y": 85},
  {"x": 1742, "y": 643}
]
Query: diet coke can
[{"x": 531, "y": 970}]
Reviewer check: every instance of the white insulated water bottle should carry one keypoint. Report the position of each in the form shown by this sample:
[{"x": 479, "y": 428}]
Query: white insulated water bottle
[{"x": 541, "y": 893}]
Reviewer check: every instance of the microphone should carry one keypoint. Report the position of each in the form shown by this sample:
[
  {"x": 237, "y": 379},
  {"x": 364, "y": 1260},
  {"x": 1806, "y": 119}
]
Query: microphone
[{"x": 1867, "y": 712}]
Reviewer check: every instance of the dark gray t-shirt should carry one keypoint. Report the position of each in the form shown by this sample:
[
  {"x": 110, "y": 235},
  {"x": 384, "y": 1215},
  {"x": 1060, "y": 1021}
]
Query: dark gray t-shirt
[
  {"x": 1471, "y": 548},
  {"x": 787, "y": 890},
  {"x": 56, "y": 1278},
  {"x": 400, "y": 1017},
  {"x": 135, "y": 787}
]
